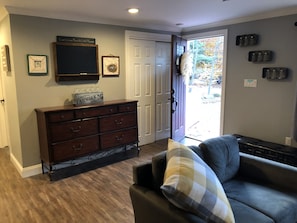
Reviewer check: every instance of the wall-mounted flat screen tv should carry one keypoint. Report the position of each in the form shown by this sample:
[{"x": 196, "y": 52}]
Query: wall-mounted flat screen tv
[{"x": 76, "y": 61}]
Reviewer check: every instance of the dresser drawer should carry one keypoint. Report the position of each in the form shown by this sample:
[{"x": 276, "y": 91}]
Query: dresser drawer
[
  {"x": 118, "y": 138},
  {"x": 70, "y": 130},
  {"x": 75, "y": 148},
  {"x": 118, "y": 121},
  {"x": 60, "y": 116},
  {"x": 128, "y": 107},
  {"x": 94, "y": 112}
]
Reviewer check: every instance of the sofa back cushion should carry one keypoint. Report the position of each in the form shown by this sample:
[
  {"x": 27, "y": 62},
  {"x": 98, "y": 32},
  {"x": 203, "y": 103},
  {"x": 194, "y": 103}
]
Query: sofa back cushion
[{"x": 222, "y": 155}]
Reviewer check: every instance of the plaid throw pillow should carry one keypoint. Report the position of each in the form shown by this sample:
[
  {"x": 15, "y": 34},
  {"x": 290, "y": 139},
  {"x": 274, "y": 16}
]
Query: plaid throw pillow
[{"x": 190, "y": 184}]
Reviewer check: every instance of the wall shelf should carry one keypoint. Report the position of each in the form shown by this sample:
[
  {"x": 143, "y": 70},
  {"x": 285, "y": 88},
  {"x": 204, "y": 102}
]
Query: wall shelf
[
  {"x": 275, "y": 73},
  {"x": 260, "y": 56},
  {"x": 247, "y": 40}
]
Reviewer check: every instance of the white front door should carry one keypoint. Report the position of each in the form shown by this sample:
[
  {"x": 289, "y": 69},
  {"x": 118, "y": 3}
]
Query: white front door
[
  {"x": 163, "y": 87},
  {"x": 141, "y": 86}
]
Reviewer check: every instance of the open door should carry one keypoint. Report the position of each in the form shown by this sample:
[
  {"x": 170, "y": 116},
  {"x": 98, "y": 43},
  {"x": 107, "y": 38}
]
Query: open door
[{"x": 178, "y": 90}]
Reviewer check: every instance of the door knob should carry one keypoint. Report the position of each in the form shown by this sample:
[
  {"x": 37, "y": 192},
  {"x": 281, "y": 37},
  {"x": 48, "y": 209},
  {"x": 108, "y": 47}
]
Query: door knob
[{"x": 174, "y": 104}]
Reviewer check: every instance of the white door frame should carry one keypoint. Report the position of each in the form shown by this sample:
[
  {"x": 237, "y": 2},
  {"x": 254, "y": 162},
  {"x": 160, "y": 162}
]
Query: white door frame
[{"x": 223, "y": 32}]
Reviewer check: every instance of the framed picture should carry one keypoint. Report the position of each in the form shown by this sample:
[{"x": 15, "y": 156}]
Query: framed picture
[
  {"x": 110, "y": 66},
  {"x": 37, "y": 64},
  {"x": 5, "y": 58}
]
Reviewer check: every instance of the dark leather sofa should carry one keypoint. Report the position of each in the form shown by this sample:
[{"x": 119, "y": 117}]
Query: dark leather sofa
[{"x": 261, "y": 191}]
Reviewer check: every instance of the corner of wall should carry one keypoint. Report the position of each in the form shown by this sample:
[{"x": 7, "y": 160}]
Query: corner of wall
[{"x": 26, "y": 171}]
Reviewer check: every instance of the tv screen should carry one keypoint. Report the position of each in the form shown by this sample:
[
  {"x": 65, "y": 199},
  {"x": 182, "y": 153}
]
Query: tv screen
[{"x": 76, "y": 60}]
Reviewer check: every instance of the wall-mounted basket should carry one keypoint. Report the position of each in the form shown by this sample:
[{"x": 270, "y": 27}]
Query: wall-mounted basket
[
  {"x": 260, "y": 56},
  {"x": 275, "y": 73},
  {"x": 247, "y": 40}
]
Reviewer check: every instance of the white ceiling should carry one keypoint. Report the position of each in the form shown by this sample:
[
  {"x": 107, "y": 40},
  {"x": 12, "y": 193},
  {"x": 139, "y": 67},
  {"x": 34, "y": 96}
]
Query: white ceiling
[{"x": 154, "y": 14}]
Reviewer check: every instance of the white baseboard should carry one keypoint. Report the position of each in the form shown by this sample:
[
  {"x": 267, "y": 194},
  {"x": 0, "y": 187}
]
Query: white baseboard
[{"x": 26, "y": 171}]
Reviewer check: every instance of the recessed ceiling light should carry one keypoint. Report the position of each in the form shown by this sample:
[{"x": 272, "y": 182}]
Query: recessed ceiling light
[{"x": 133, "y": 10}]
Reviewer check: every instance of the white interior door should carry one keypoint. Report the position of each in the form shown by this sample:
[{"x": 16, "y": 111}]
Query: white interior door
[
  {"x": 3, "y": 132},
  {"x": 142, "y": 86},
  {"x": 163, "y": 87}
]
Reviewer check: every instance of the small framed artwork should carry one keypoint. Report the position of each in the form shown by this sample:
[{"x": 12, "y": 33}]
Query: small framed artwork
[
  {"x": 110, "y": 66},
  {"x": 5, "y": 58},
  {"x": 37, "y": 64}
]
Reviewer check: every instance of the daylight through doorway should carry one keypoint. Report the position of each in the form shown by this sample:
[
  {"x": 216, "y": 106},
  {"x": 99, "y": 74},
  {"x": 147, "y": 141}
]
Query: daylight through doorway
[{"x": 204, "y": 88}]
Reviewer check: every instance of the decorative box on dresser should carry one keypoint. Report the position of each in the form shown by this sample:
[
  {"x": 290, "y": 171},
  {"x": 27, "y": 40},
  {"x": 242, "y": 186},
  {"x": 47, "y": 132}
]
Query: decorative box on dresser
[{"x": 70, "y": 133}]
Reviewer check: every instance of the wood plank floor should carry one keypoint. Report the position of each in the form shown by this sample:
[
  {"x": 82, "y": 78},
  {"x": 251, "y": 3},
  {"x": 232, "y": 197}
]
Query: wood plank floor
[{"x": 100, "y": 195}]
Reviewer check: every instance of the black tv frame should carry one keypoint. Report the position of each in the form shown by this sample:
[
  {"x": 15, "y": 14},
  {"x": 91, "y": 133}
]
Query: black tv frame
[{"x": 77, "y": 75}]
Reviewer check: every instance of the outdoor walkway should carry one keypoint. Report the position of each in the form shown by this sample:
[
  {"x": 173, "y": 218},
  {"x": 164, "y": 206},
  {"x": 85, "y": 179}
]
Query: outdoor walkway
[{"x": 203, "y": 112}]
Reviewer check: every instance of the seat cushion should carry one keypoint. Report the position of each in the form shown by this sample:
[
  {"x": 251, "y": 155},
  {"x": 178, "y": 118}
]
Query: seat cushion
[
  {"x": 246, "y": 214},
  {"x": 222, "y": 155},
  {"x": 275, "y": 204},
  {"x": 192, "y": 186}
]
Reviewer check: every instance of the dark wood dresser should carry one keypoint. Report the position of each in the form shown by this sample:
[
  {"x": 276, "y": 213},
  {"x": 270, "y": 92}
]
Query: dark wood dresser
[{"x": 67, "y": 133}]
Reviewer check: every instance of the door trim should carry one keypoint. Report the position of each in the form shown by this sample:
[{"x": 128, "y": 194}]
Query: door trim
[{"x": 146, "y": 36}]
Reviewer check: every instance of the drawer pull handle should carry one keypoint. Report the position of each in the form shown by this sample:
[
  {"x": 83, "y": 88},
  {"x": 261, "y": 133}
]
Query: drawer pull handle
[
  {"x": 119, "y": 138},
  {"x": 75, "y": 130},
  {"x": 118, "y": 122},
  {"x": 77, "y": 148}
]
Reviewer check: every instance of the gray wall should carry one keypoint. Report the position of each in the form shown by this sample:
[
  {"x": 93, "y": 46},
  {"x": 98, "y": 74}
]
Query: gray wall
[
  {"x": 33, "y": 35},
  {"x": 24, "y": 93},
  {"x": 267, "y": 111}
]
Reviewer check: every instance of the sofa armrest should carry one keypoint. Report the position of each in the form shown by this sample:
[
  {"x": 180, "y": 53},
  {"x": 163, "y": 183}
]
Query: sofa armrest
[
  {"x": 142, "y": 174},
  {"x": 151, "y": 207},
  {"x": 268, "y": 172}
]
